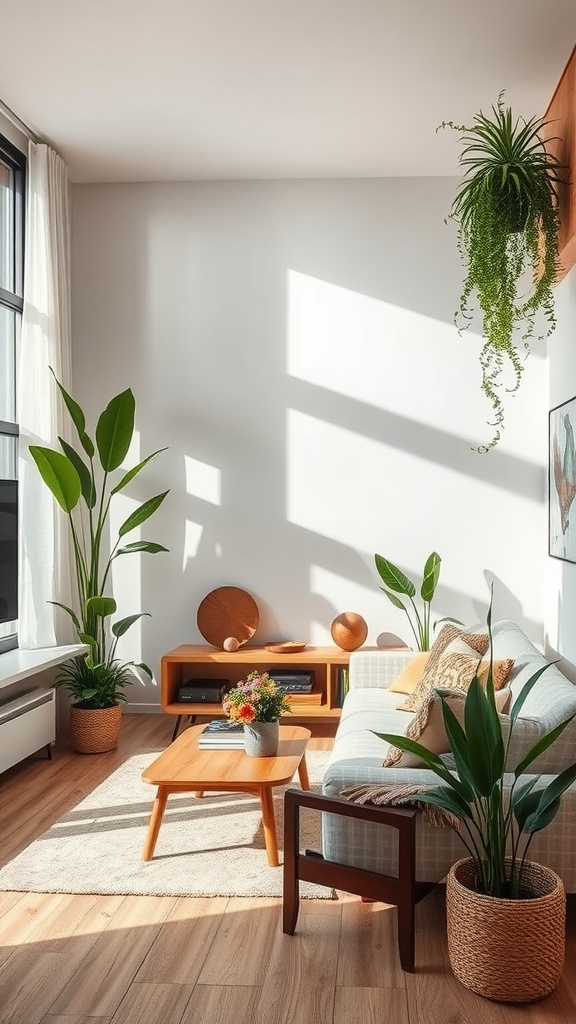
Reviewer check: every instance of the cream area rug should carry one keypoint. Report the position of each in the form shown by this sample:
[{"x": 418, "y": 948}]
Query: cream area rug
[{"x": 213, "y": 846}]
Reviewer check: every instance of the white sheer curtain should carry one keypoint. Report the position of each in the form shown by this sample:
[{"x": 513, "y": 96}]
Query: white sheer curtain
[{"x": 45, "y": 342}]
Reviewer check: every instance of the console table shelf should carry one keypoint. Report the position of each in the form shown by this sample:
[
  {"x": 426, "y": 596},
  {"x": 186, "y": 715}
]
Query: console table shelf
[{"x": 200, "y": 662}]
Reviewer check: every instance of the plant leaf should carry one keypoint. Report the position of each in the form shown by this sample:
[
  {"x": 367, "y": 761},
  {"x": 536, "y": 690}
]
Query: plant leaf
[
  {"x": 134, "y": 471},
  {"x": 59, "y": 475},
  {"x": 394, "y": 599},
  {"x": 431, "y": 760},
  {"x": 114, "y": 430},
  {"x": 86, "y": 481},
  {"x": 541, "y": 745},
  {"x": 77, "y": 416},
  {"x": 144, "y": 667},
  {"x": 393, "y": 577},
  {"x": 101, "y": 606},
  {"x": 431, "y": 576},
  {"x": 70, "y": 611},
  {"x": 123, "y": 625},
  {"x": 483, "y": 733},
  {"x": 142, "y": 513},
  {"x": 140, "y": 545}
]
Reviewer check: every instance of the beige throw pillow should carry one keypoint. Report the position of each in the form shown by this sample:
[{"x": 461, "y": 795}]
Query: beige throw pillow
[
  {"x": 427, "y": 726},
  {"x": 477, "y": 641},
  {"x": 411, "y": 675}
]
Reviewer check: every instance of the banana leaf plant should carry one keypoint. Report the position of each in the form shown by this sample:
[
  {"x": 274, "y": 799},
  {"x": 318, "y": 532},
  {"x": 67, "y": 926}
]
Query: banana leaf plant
[
  {"x": 497, "y": 815},
  {"x": 397, "y": 583},
  {"x": 81, "y": 482}
]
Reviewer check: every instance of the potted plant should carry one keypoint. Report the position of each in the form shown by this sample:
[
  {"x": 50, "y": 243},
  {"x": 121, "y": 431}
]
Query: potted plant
[
  {"x": 497, "y": 898},
  {"x": 506, "y": 210},
  {"x": 399, "y": 584},
  {"x": 83, "y": 487},
  {"x": 258, "y": 702}
]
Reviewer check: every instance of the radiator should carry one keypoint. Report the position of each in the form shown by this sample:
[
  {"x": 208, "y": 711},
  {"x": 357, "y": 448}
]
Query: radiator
[{"x": 27, "y": 723}]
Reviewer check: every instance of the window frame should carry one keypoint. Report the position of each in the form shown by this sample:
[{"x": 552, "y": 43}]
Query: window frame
[{"x": 13, "y": 300}]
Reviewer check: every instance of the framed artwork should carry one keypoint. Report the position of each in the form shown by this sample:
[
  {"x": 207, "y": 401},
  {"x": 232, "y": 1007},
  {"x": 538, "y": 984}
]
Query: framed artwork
[{"x": 562, "y": 482}]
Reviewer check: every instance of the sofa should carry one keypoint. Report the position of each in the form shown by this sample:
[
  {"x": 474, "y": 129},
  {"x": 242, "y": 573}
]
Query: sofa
[{"x": 357, "y": 759}]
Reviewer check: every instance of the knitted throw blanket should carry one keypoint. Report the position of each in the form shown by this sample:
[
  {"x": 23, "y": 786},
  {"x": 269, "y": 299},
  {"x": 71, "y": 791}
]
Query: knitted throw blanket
[{"x": 394, "y": 796}]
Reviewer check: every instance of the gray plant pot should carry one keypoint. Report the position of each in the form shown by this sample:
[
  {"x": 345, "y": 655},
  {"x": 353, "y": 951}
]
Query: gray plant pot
[{"x": 261, "y": 739}]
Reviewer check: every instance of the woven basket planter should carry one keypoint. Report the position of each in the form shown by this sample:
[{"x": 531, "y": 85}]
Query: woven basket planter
[
  {"x": 95, "y": 730},
  {"x": 507, "y": 950}
]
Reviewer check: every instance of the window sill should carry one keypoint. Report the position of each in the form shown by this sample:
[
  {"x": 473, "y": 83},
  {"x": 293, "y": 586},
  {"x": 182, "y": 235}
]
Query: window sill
[{"x": 18, "y": 664}]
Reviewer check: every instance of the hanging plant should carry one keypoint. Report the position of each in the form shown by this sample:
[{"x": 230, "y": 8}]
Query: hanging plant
[{"x": 507, "y": 214}]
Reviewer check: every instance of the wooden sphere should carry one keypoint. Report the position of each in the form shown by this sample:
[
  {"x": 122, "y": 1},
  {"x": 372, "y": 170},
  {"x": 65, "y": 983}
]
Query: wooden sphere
[{"x": 349, "y": 631}]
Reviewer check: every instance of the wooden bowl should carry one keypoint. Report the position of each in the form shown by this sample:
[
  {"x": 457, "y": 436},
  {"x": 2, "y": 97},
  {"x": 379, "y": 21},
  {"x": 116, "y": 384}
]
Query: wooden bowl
[{"x": 287, "y": 647}]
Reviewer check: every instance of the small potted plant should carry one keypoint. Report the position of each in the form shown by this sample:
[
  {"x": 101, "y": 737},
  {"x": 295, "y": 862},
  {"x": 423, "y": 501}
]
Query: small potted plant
[
  {"x": 258, "y": 702},
  {"x": 498, "y": 902},
  {"x": 397, "y": 583},
  {"x": 506, "y": 209},
  {"x": 84, "y": 488}
]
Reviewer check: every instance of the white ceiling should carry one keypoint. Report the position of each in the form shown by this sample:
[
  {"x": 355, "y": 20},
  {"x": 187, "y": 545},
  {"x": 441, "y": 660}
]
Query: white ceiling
[{"x": 150, "y": 90}]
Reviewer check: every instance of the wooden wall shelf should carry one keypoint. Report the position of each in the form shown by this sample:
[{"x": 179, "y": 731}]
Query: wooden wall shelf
[{"x": 561, "y": 113}]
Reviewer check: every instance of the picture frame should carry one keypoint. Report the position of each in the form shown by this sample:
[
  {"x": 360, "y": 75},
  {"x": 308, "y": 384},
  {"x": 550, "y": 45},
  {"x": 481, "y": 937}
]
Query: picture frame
[{"x": 562, "y": 481}]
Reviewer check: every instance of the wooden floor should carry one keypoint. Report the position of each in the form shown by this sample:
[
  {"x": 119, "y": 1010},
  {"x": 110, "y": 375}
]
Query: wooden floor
[{"x": 163, "y": 960}]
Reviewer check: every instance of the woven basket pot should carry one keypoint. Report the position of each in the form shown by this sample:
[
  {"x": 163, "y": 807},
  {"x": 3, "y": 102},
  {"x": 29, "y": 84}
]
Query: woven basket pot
[
  {"x": 95, "y": 730},
  {"x": 507, "y": 950}
]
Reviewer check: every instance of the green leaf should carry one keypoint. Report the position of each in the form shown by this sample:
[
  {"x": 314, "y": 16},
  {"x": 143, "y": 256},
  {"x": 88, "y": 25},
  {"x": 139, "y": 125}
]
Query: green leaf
[
  {"x": 70, "y": 611},
  {"x": 459, "y": 747},
  {"x": 134, "y": 471},
  {"x": 77, "y": 416},
  {"x": 431, "y": 760},
  {"x": 101, "y": 606},
  {"x": 520, "y": 699},
  {"x": 142, "y": 513},
  {"x": 550, "y": 798},
  {"x": 144, "y": 667},
  {"x": 59, "y": 475},
  {"x": 85, "y": 638},
  {"x": 541, "y": 745},
  {"x": 86, "y": 481},
  {"x": 140, "y": 545},
  {"x": 123, "y": 625},
  {"x": 393, "y": 577},
  {"x": 541, "y": 817},
  {"x": 483, "y": 733},
  {"x": 394, "y": 599},
  {"x": 430, "y": 577},
  {"x": 448, "y": 800},
  {"x": 115, "y": 429}
]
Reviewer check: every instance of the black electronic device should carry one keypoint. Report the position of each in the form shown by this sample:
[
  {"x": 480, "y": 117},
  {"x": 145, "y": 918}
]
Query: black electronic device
[
  {"x": 293, "y": 681},
  {"x": 203, "y": 691}
]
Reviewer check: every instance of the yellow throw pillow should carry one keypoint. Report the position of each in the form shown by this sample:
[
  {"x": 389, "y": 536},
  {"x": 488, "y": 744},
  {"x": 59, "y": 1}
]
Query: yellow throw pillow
[
  {"x": 410, "y": 676},
  {"x": 477, "y": 641},
  {"x": 427, "y": 726}
]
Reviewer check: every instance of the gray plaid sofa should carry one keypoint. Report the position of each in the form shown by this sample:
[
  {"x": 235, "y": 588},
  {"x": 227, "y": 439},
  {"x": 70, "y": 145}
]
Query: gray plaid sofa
[{"x": 357, "y": 757}]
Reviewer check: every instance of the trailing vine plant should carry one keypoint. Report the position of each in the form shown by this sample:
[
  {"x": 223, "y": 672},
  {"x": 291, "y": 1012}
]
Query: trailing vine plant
[{"x": 506, "y": 209}]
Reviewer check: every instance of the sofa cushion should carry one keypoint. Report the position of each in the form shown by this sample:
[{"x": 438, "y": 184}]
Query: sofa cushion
[
  {"x": 427, "y": 726},
  {"x": 478, "y": 642},
  {"x": 411, "y": 675}
]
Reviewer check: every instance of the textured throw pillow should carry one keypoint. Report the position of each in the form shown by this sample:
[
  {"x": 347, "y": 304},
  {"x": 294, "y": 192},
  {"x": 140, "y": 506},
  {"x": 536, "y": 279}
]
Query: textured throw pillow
[
  {"x": 427, "y": 726},
  {"x": 479, "y": 643},
  {"x": 460, "y": 663},
  {"x": 410, "y": 676}
]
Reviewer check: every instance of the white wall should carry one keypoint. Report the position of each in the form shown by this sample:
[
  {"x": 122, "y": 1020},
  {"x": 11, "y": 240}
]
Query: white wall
[
  {"x": 560, "y": 590},
  {"x": 292, "y": 343}
]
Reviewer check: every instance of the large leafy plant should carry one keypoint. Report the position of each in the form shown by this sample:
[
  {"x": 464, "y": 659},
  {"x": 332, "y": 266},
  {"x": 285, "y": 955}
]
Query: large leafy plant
[
  {"x": 81, "y": 482},
  {"x": 398, "y": 586},
  {"x": 497, "y": 817},
  {"x": 507, "y": 214}
]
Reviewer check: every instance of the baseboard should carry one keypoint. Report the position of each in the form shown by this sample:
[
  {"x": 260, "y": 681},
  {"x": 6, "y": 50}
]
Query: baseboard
[{"x": 142, "y": 709}]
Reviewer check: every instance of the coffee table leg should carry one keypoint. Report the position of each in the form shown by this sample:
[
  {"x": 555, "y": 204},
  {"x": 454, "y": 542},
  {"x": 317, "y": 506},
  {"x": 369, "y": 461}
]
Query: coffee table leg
[
  {"x": 155, "y": 822},
  {"x": 303, "y": 773},
  {"x": 269, "y": 823}
]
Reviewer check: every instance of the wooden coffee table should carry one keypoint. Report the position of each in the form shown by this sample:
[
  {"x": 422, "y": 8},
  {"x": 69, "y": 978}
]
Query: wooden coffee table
[{"x": 183, "y": 768}]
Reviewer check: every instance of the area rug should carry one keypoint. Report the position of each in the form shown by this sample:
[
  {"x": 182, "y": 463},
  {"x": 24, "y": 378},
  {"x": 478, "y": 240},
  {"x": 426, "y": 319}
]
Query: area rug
[{"x": 213, "y": 846}]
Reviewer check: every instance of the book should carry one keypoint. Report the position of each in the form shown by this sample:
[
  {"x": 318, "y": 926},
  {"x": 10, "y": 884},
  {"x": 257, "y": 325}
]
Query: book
[{"x": 222, "y": 733}]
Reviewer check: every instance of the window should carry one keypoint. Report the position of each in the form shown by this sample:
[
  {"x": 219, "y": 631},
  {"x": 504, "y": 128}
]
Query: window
[{"x": 12, "y": 181}]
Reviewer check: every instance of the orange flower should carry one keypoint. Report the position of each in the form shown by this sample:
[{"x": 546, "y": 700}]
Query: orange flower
[{"x": 246, "y": 713}]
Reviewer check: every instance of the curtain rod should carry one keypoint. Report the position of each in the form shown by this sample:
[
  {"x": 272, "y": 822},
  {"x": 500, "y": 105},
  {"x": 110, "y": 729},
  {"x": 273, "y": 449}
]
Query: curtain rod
[{"x": 18, "y": 123}]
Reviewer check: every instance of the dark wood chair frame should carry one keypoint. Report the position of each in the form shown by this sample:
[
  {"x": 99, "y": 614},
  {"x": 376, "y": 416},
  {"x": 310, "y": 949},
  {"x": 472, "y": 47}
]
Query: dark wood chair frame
[{"x": 404, "y": 892}]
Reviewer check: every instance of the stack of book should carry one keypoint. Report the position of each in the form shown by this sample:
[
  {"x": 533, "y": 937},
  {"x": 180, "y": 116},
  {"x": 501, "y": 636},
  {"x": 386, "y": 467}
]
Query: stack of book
[{"x": 222, "y": 733}]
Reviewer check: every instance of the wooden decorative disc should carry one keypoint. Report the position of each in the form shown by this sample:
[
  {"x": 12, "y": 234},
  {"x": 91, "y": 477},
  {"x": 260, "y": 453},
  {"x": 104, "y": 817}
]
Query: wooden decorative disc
[{"x": 227, "y": 612}]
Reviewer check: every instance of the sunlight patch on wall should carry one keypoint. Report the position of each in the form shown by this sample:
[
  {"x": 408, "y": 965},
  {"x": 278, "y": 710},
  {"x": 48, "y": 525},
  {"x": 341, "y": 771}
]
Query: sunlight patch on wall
[
  {"x": 203, "y": 481},
  {"x": 367, "y": 496},
  {"x": 192, "y": 538},
  {"x": 389, "y": 357}
]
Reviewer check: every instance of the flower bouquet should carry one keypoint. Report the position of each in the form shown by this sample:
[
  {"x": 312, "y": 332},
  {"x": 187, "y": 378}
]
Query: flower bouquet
[
  {"x": 256, "y": 699},
  {"x": 257, "y": 702}
]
